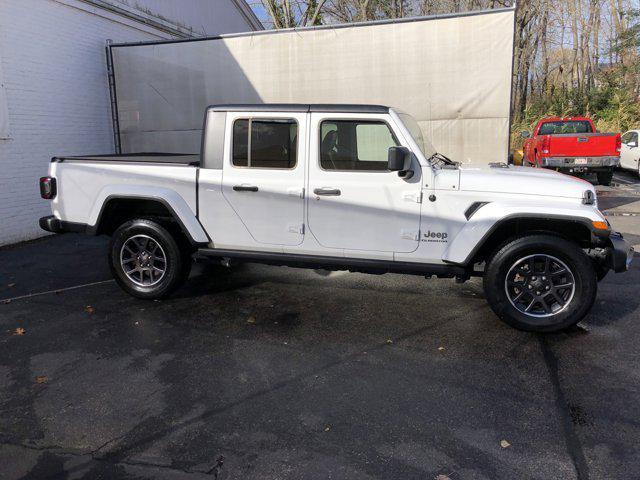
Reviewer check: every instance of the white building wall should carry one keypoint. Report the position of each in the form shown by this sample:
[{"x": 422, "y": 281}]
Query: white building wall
[
  {"x": 200, "y": 17},
  {"x": 55, "y": 95}
]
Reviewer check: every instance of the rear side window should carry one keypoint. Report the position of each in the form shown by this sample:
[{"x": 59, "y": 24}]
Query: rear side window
[
  {"x": 559, "y": 128},
  {"x": 260, "y": 143},
  {"x": 355, "y": 145}
]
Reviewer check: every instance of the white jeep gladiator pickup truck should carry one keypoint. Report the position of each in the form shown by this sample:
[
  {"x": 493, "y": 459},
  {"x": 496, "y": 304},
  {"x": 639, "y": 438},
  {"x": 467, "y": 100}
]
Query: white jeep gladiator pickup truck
[{"x": 342, "y": 187}]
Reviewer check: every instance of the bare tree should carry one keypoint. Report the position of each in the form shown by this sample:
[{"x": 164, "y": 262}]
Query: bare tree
[{"x": 294, "y": 13}]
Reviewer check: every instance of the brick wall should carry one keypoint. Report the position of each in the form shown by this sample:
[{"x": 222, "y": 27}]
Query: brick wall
[
  {"x": 53, "y": 68},
  {"x": 53, "y": 64}
]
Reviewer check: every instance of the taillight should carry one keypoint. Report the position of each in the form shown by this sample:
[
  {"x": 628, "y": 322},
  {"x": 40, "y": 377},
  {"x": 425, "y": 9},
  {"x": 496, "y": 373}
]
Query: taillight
[
  {"x": 618, "y": 143},
  {"x": 48, "y": 188},
  {"x": 546, "y": 145}
]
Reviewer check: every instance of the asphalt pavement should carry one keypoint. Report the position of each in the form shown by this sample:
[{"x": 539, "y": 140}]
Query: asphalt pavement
[{"x": 277, "y": 373}]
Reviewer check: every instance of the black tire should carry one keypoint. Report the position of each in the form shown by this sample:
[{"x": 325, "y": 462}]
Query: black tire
[
  {"x": 548, "y": 315},
  {"x": 604, "y": 178},
  {"x": 160, "y": 242}
]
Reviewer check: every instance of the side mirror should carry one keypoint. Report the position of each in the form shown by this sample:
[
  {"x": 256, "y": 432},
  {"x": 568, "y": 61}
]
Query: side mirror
[
  {"x": 633, "y": 144},
  {"x": 399, "y": 159},
  {"x": 526, "y": 134}
]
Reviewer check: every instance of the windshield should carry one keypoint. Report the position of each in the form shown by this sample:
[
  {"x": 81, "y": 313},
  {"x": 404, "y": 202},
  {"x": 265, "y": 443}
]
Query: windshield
[
  {"x": 414, "y": 129},
  {"x": 559, "y": 128}
]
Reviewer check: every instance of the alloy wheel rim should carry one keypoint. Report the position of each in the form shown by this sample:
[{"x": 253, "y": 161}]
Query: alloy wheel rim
[
  {"x": 540, "y": 286},
  {"x": 143, "y": 260}
]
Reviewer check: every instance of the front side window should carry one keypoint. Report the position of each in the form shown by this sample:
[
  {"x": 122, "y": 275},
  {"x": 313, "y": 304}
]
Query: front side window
[
  {"x": 355, "y": 145},
  {"x": 260, "y": 143}
]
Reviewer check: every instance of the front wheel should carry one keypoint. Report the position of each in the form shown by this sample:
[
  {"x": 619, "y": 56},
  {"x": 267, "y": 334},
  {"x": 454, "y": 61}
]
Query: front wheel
[
  {"x": 540, "y": 283},
  {"x": 146, "y": 260}
]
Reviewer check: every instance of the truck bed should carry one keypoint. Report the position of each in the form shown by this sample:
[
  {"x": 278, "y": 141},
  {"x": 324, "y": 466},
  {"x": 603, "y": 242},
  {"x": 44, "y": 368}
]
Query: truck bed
[
  {"x": 85, "y": 184},
  {"x": 161, "y": 158}
]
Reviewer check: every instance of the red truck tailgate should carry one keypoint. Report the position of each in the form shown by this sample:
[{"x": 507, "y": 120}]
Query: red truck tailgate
[{"x": 583, "y": 145}]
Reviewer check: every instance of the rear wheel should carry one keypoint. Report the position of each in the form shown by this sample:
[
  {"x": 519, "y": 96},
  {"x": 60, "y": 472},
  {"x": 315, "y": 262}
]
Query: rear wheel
[
  {"x": 146, "y": 260},
  {"x": 540, "y": 283},
  {"x": 604, "y": 178}
]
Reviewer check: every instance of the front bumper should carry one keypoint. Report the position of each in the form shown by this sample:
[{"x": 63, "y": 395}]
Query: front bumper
[
  {"x": 55, "y": 225},
  {"x": 619, "y": 254},
  {"x": 580, "y": 163}
]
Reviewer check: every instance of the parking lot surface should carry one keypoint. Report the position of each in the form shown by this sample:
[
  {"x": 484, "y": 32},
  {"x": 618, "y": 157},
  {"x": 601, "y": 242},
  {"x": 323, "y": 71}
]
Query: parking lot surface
[{"x": 277, "y": 373}]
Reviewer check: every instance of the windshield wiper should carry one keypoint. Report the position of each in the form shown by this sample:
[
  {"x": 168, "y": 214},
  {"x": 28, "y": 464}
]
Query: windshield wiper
[{"x": 440, "y": 160}]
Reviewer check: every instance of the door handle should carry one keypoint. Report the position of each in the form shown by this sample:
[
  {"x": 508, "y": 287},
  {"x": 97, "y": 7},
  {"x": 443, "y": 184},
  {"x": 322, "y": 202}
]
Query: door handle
[
  {"x": 327, "y": 192},
  {"x": 245, "y": 188}
]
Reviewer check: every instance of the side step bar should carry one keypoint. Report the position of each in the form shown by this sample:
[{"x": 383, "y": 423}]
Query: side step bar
[{"x": 337, "y": 263}]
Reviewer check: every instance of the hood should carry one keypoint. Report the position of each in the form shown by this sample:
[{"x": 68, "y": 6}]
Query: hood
[{"x": 522, "y": 180}]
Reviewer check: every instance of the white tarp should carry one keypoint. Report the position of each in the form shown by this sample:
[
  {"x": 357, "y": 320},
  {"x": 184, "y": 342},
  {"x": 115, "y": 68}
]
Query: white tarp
[{"x": 452, "y": 73}]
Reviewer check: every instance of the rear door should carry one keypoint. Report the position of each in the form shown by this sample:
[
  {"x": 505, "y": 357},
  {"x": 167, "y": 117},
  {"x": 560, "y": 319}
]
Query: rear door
[
  {"x": 355, "y": 203},
  {"x": 264, "y": 174}
]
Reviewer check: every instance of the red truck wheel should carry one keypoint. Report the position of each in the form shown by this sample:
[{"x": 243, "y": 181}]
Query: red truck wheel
[
  {"x": 604, "y": 178},
  {"x": 528, "y": 163}
]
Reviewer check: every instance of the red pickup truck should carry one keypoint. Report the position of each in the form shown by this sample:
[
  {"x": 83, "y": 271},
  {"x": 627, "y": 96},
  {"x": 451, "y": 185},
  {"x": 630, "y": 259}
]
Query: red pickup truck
[{"x": 572, "y": 145}]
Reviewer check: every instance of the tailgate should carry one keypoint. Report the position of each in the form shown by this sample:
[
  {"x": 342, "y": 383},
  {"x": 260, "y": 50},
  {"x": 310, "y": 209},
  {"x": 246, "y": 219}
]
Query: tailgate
[{"x": 583, "y": 145}]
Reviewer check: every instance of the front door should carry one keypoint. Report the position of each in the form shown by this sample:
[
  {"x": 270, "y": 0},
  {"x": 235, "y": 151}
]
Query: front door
[
  {"x": 355, "y": 203},
  {"x": 263, "y": 176}
]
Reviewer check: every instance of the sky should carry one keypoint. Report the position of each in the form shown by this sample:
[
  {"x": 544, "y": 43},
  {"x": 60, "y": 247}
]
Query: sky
[{"x": 261, "y": 13}]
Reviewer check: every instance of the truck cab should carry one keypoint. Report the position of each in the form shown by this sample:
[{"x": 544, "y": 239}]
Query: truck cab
[
  {"x": 342, "y": 187},
  {"x": 313, "y": 180}
]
